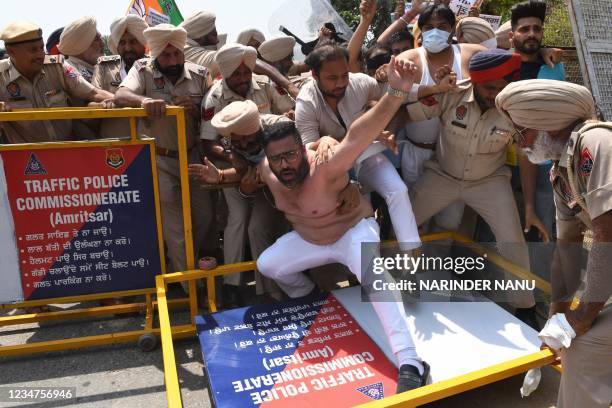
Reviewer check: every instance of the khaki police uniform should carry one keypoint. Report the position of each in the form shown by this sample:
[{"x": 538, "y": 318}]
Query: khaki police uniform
[
  {"x": 470, "y": 168},
  {"x": 84, "y": 128},
  {"x": 144, "y": 79},
  {"x": 51, "y": 88},
  {"x": 84, "y": 68},
  {"x": 582, "y": 184},
  {"x": 204, "y": 56},
  {"x": 253, "y": 218},
  {"x": 262, "y": 92},
  {"x": 268, "y": 101},
  {"x": 108, "y": 74}
]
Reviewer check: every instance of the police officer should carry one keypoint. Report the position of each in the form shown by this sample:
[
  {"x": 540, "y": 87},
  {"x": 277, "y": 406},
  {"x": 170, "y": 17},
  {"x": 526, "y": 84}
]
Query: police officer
[
  {"x": 470, "y": 158},
  {"x": 278, "y": 52},
  {"x": 82, "y": 44},
  {"x": 202, "y": 40},
  {"x": 127, "y": 43},
  {"x": 29, "y": 79},
  {"x": 251, "y": 37},
  {"x": 553, "y": 119},
  {"x": 236, "y": 63},
  {"x": 250, "y": 214},
  {"x": 153, "y": 83}
]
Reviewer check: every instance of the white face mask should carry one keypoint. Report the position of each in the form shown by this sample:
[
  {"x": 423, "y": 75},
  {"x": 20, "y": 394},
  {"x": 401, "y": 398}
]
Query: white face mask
[
  {"x": 544, "y": 148},
  {"x": 435, "y": 40}
]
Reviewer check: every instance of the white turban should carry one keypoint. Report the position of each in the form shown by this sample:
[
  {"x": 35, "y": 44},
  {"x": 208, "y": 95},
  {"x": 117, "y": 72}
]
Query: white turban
[
  {"x": 245, "y": 36},
  {"x": 545, "y": 104},
  {"x": 474, "y": 30},
  {"x": 131, "y": 23},
  {"x": 78, "y": 36},
  {"x": 239, "y": 118},
  {"x": 502, "y": 35},
  {"x": 161, "y": 35},
  {"x": 231, "y": 56},
  {"x": 275, "y": 49},
  {"x": 199, "y": 24}
]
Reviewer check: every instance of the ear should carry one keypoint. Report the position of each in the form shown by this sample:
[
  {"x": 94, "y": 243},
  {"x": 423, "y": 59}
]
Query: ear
[{"x": 314, "y": 74}]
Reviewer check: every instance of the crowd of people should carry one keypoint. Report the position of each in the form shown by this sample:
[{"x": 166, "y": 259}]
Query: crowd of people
[{"x": 431, "y": 118}]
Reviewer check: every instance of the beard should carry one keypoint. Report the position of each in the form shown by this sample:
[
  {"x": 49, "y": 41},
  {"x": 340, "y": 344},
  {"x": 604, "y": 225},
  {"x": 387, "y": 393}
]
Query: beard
[
  {"x": 129, "y": 58},
  {"x": 337, "y": 93},
  {"x": 544, "y": 148},
  {"x": 172, "y": 70},
  {"x": 290, "y": 177},
  {"x": 530, "y": 48}
]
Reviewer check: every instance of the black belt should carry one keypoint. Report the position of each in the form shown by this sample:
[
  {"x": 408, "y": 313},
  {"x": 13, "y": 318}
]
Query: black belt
[
  {"x": 174, "y": 154},
  {"x": 166, "y": 152},
  {"x": 428, "y": 146}
]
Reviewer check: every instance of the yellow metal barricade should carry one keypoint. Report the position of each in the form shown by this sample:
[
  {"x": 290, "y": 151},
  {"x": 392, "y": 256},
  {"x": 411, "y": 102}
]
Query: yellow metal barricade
[
  {"x": 416, "y": 397},
  {"x": 145, "y": 337}
]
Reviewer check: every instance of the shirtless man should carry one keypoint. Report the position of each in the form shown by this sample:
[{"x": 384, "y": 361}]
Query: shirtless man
[{"x": 308, "y": 193}]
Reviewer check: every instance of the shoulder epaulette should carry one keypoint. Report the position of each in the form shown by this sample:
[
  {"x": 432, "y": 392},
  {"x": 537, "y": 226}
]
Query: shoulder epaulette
[
  {"x": 5, "y": 64},
  {"x": 142, "y": 63},
  {"x": 198, "y": 69},
  {"x": 109, "y": 58}
]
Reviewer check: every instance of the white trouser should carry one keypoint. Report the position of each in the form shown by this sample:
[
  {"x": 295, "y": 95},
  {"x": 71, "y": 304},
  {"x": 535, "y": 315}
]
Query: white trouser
[
  {"x": 413, "y": 161},
  {"x": 290, "y": 255},
  {"x": 376, "y": 173}
]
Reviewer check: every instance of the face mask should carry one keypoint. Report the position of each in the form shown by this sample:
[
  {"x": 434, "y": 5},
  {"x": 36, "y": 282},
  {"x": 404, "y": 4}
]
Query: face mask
[
  {"x": 435, "y": 40},
  {"x": 544, "y": 148}
]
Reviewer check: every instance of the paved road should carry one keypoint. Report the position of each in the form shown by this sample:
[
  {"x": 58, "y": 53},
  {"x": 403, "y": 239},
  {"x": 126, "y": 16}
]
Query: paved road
[{"x": 123, "y": 376}]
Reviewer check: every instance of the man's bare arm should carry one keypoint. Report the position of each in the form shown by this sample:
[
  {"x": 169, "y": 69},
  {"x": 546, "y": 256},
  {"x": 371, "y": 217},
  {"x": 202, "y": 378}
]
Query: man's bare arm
[
  {"x": 401, "y": 74},
  {"x": 598, "y": 278},
  {"x": 367, "y": 11},
  {"x": 529, "y": 176}
]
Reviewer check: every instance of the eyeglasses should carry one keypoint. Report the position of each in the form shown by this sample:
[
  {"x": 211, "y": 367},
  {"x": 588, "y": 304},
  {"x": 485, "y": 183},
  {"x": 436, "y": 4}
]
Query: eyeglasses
[{"x": 290, "y": 157}]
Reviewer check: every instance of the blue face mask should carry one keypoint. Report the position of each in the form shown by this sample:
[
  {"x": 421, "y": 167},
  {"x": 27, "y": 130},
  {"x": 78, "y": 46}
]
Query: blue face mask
[{"x": 435, "y": 40}]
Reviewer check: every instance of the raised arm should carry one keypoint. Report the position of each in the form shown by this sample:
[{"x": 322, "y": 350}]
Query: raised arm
[
  {"x": 401, "y": 74},
  {"x": 401, "y": 23},
  {"x": 367, "y": 11}
]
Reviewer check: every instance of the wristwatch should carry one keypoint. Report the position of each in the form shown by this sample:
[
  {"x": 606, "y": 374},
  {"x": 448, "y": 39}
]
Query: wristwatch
[{"x": 398, "y": 93}]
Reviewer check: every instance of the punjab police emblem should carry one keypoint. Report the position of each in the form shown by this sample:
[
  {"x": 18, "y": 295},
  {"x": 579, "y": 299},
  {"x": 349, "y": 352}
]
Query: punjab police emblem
[
  {"x": 13, "y": 89},
  {"x": 114, "y": 158},
  {"x": 586, "y": 162},
  {"x": 460, "y": 112}
]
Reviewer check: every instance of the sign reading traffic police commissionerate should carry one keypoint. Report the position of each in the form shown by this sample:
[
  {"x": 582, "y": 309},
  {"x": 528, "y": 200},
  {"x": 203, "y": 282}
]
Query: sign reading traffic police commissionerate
[
  {"x": 84, "y": 219},
  {"x": 308, "y": 352}
]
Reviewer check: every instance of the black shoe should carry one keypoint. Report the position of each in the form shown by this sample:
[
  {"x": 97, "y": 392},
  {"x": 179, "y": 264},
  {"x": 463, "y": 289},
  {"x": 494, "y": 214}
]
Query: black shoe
[
  {"x": 410, "y": 379},
  {"x": 528, "y": 316}
]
